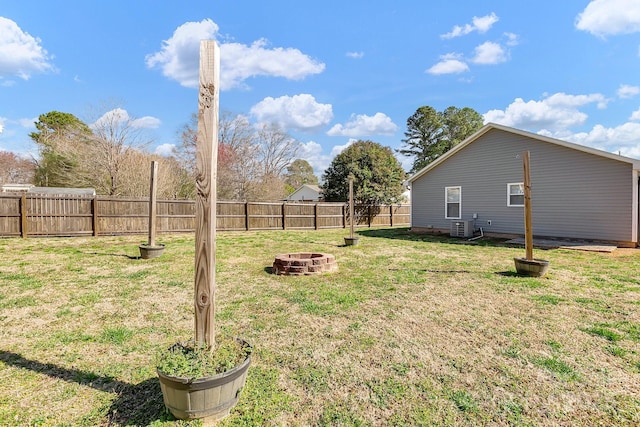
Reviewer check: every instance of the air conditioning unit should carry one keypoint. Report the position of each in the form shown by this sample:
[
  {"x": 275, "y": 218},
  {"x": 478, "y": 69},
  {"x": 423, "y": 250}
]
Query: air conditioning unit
[{"x": 461, "y": 229}]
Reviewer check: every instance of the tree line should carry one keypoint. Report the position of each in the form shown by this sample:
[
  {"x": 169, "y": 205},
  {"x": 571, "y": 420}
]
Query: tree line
[{"x": 256, "y": 163}]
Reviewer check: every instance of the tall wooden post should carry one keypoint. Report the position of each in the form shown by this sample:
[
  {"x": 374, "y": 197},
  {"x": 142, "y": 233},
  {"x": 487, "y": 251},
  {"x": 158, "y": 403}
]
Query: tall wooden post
[
  {"x": 206, "y": 197},
  {"x": 351, "y": 204},
  {"x": 153, "y": 191},
  {"x": 528, "y": 227},
  {"x": 23, "y": 216},
  {"x": 94, "y": 215}
]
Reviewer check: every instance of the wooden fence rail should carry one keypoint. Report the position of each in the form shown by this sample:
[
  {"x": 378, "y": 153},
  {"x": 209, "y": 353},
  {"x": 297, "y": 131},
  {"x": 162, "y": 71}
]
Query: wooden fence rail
[{"x": 36, "y": 215}]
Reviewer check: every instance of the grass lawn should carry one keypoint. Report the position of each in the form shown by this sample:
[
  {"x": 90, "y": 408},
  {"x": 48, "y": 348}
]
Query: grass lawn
[{"x": 412, "y": 330}]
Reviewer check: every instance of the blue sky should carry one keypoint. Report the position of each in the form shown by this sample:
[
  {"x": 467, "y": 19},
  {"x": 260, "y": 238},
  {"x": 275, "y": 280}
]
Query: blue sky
[{"x": 329, "y": 72}]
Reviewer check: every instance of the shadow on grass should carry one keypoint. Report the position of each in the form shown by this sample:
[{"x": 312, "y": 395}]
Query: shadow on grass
[
  {"x": 405, "y": 233},
  {"x": 508, "y": 274},
  {"x": 117, "y": 255},
  {"x": 138, "y": 404}
]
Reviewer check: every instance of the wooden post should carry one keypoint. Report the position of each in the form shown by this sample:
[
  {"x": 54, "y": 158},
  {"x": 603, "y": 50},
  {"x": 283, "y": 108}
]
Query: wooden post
[
  {"x": 23, "y": 216},
  {"x": 390, "y": 215},
  {"x": 284, "y": 215},
  {"x": 315, "y": 216},
  {"x": 351, "y": 204},
  {"x": 94, "y": 215},
  {"x": 153, "y": 191},
  {"x": 246, "y": 215},
  {"x": 528, "y": 229},
  {"x": 206, "y": 196}
]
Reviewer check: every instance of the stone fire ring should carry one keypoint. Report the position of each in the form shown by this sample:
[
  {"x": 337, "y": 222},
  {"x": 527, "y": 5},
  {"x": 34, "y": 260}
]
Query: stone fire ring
[{"x": 304, "y": 264}]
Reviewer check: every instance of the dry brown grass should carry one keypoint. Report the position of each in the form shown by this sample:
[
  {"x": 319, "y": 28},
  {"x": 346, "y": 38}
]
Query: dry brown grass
[{"x": 412, "y": 330}]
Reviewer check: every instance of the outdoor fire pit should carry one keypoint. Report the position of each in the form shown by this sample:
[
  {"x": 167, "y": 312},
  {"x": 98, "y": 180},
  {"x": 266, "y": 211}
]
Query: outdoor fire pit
[{"x": 304, "y": 264}]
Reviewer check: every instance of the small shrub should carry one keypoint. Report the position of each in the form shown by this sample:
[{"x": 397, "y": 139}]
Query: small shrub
[{"x": 197, "y": 360}]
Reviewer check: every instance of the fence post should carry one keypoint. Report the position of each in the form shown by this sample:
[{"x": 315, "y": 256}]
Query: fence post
[
  {"x": 94, "y": 214},
  {"x": 23, "y": 216},
  {"x": 315, "y": 216},
  {"x": 391, "y": 215},
  {"x": 284, "y": 215},
  {"x": 369, "y": 215},
  {"x": 246, "y": 215}
]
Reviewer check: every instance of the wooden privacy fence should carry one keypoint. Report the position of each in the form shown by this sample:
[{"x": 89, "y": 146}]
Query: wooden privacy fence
[{"x": 37, "y": 215}]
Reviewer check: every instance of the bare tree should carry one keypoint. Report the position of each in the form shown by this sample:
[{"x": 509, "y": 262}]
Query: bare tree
[
  {"x": 115, "y": 137},
  {"x": 277, "y": 149},
  {"x": 251, "y": 162},
  {"x": 15, "y": 169}
]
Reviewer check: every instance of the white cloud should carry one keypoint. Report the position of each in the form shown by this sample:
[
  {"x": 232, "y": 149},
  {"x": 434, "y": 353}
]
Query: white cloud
[
  {"x": 450, "y": 63},
  {"x": 239, "y": 62},
  {"x": 301, "y": 112},
  {"x": 165, "y": 150},
  {"x": 1, "y": 125},
  {"x": 489, "y": 53},
  {"x": 480, "y": 24},
  {"x": 554, "y": 116},
  {"x": 28, "y": 123},
  {"x": 609, "y": 17},
  {"x": 355, "y": 55},
  {"x": 612, "y": 139},
  {"x": 512, "y": 39},
  {"x": 363, "y": 125},
  {"x": 121, "y": 116},
  {"x": 626, "y": 91},
  {"x": 179, "y": 58},
  {"x": 146, "y": 122},
  {"x": 20, "y": 53},
  {"x": 313, "y": 153},
  {"x": 556, "y": 112},
  {"x": 180, "y": 55}
]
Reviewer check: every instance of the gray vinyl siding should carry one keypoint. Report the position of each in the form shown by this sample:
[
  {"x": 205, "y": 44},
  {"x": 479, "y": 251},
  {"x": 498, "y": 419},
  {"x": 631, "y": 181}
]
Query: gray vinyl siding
[{"x": 574, "y": 194}]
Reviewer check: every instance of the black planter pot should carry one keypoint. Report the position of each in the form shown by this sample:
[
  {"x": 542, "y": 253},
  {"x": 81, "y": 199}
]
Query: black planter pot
[{"x": 210, "y": 397}]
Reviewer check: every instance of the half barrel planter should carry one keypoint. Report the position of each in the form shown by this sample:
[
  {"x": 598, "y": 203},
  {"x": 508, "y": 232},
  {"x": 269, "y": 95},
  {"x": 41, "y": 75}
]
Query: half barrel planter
[
  {"x": 148, "y": 252},
  {"x": 209, "y": 397},
  {"x": 531, "y": 267}
]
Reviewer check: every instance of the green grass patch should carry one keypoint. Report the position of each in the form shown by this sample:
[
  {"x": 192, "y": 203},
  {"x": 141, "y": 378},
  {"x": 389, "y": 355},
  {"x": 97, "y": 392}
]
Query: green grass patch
[
  {"x": 558, "y": 367},
  {"x": 604, "y": 331},
  {"x": 412, "y": 330},
  {"x": 547, "y": 299}
]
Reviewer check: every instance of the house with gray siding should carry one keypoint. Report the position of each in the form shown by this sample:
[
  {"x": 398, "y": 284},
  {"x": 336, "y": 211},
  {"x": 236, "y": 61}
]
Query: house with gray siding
[{"x": 577, "y": 192}]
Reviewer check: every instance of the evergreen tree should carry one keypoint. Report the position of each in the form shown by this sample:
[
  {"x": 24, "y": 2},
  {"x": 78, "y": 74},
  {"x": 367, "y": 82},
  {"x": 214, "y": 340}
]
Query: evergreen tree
[{"x": 432, "y": 133}]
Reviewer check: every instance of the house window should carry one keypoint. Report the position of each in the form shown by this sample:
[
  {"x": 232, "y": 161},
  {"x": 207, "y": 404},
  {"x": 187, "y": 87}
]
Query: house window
[
  {"x": 452, "y": 202},
  {"x": 515, "y": 194}
]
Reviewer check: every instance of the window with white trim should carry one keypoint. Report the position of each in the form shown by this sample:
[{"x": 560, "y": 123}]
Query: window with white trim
[
  {"x": 452, "y": 202},
  {"x": 515, "y": 194}
]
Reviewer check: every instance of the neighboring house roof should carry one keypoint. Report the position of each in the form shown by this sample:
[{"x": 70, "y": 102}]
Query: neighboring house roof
[
  {"x": 489, "y": 126},
  {"x": 63, "y": 191},
  {"x": 306, "y": 188},
  {"x": 16, "y": 188}
]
